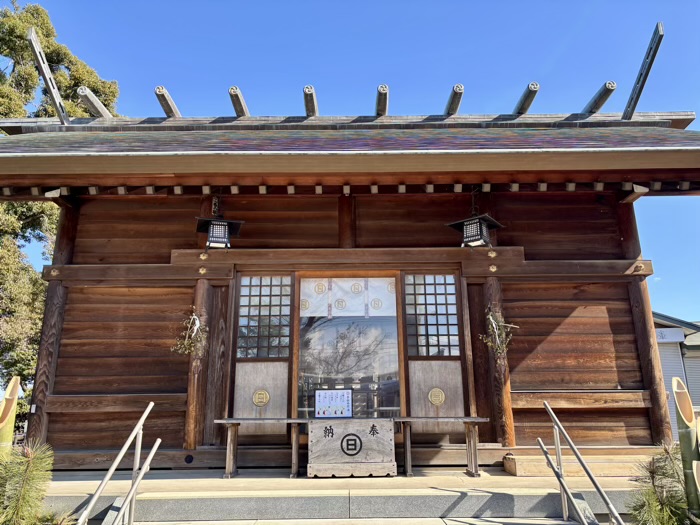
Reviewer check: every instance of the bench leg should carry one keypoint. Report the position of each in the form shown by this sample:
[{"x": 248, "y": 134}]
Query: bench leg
[
  {"x": 407, "y": 462},
  {"x": 471, "y": 433},
  {"x": 295, "y": 450},
  {"x": 231, "y": 451}
]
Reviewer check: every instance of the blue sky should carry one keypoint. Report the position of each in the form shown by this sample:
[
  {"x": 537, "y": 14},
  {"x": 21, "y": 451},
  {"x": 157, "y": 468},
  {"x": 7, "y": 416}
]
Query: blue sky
[{"x": 272, "y": 49}]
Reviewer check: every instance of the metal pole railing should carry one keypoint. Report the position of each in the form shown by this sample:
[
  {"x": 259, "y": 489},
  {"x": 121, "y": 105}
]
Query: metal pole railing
[
  {"x": 131, "y": 496},
  {"x": 614, "y": 516},
  {"x": 84, "y": 516},
  {"x": 560, "y": 466},
  {"x": 563, "y": 487}
]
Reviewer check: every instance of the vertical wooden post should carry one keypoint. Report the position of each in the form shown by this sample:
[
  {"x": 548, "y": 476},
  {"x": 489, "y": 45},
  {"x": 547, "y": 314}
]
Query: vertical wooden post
[
  {"x": 346, "y": 221},
  {"x": 52, "y": 326},
  {"x": 645, "y": 334},
  {"x": 500, "y": 372},
  {"x": 219, "y": 335},
  {"x": 468, "y": 357},
  {"x": 650, "y": 361},
  {"x": 196, "y": 382}
]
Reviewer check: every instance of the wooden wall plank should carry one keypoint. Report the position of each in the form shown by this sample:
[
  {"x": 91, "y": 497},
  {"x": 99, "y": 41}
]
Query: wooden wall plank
[
  {"x": 115, "y": 403},
  {"x": 581, "y": 400}
]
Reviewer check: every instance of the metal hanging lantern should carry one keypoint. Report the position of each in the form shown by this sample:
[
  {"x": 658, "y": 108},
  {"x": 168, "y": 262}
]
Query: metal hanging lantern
[
  {"x": 475, "y": 230},
  {"x": 219, "y": 231}
]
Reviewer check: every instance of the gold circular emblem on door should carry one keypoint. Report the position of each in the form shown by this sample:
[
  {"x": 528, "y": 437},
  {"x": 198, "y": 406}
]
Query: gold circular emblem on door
[
  {"x": 436, "y": 396},
  {"x": 261, "y": 398}
]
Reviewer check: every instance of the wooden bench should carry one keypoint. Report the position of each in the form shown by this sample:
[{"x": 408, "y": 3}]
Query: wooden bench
[
  {"x": 470, "y": 430},
  {"x": 232, "y": 425}
]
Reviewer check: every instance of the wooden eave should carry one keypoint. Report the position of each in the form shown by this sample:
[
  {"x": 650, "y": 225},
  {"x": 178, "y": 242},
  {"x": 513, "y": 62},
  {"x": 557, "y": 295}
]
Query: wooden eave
[{"x": 349, "y": 162}]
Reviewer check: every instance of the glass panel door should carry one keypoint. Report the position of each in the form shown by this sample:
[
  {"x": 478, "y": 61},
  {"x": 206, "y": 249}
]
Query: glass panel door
[{"x": 348, "y": 340}]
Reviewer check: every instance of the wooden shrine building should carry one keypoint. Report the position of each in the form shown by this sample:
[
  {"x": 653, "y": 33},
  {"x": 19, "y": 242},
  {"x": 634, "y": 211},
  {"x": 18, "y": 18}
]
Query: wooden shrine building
[{"x": 346, "y": 275}]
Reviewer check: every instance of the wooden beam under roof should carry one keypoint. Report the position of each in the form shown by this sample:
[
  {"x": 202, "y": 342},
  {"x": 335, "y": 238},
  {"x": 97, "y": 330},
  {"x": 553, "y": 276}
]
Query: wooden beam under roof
[
  {"x": 644, "y": 70},
  {"x": 167, "y": 103},
  {"x": 382, "y": 105},
  {"x": 239, "y": 105},
  {"x": 599, "y": 99},
  {"x": 455, "y": 99},
  {"x": 526, "y": 99},
  {"x": 45, "y": 70},
  {"x": 636, "y": 192},
  {"x": 92, "y": 103},
  {"x": 310, "y": 102}
]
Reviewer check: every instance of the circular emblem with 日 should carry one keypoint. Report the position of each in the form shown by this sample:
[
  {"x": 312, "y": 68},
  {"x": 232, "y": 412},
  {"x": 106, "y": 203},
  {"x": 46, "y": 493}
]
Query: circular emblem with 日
[
  {"x": 261, "y": 398},
  {"x": 436, "y": 396},
  {"x": 356, "y": 288},
  {"x": 351, "y": 444}
]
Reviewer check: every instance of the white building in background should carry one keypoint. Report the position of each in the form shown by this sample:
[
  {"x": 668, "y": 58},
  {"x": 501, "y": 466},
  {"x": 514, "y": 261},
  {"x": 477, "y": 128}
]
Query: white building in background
[{"x": 679, "y": 348}]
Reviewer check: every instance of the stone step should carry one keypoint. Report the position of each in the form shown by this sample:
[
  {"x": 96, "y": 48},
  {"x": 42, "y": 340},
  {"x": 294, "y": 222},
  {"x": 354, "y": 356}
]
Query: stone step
[
  {"x": 407, "y": 504},
  {"x": 601, "y": 466}
]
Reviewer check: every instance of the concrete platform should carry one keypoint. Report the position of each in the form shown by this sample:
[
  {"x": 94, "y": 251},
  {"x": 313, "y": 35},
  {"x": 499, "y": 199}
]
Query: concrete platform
[{"x": 259, "y": 495}]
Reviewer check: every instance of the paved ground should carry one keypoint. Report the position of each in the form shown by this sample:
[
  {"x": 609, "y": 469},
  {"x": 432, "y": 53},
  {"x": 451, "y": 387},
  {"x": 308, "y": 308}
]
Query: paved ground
[{"x": 375, "y": 521}]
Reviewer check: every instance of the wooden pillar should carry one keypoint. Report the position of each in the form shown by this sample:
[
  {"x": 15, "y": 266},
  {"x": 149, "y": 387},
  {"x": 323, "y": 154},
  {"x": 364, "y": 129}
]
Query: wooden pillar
[
  {"x": 54, "y": 309},
  {"x": 346, "y": 221},
  {"x": 197, "y": 380},
  {"x": 650, "y": 361},
  {"x": 645, "y": 334},
  {"x": 218, "y": 355},
  {"x": 500, "y": 372},
  {"x": 468, "y": 356}
]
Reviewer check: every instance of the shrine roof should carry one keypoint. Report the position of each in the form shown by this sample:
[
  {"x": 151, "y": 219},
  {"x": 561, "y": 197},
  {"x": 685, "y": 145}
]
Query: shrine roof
[{"x": 347, "y": 141}]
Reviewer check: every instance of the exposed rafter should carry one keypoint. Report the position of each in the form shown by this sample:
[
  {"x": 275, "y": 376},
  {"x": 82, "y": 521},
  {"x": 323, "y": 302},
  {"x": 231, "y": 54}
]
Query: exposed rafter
[
  {"x": 167, "y": 103},
  {"x": 526, "y": 99},
  {"x": 310, "y": 102},
  {"x": 382, "y": 106},
  {"x": 238, "y": 101},
  {"x": 455, "y": 99},
  {"x": 599, "y": 99},
  {"x": 92, "y": 103}
]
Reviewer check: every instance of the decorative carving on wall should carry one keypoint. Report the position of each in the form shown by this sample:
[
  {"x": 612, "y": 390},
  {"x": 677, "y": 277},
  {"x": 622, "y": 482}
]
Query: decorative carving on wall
[
  {"x": 436, "y": 396},
  {"x": 261, "y": 398}
]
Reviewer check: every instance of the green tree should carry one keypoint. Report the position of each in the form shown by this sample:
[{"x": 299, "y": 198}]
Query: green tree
[
  {"x": 22, "y": 291},
  {"x": 19, "y": 78}
]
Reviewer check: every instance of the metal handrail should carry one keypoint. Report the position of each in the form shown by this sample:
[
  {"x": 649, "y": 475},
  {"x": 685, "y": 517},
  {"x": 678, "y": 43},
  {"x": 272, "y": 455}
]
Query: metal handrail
[
  {"x": 137, "y": 433},
  {"x": 558, "y": 427},
  {"x": 130, "y": 500},
  {"x": 563, "y": 487}
]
